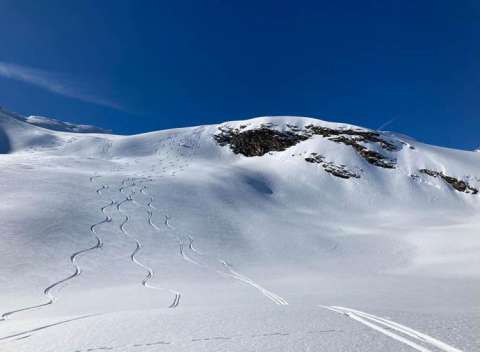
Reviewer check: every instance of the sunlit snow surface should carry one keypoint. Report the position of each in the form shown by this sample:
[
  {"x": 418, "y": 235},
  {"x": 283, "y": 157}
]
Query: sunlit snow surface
[{"x": 167, "y": 242}]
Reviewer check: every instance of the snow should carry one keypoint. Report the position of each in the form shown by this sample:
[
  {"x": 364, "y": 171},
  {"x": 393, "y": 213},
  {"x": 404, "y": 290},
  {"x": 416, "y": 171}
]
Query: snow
[
  {"x": 57, "y": 125},
  {"x": 167, "y": 241}
]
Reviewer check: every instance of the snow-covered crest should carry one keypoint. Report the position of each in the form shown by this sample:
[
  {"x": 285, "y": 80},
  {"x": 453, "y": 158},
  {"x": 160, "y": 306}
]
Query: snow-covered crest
[{"x": 57, "y": 125}]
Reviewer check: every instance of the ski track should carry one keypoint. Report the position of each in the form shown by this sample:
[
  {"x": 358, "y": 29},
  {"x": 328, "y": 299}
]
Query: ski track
[
  {"x": 191, "y": 247},
  {"x": 388, "y": 325},
  {"x": 47, "y": 292},
  {"x": 19, "y": 335},
  {"x": 404, "y": 329},
  {"x": 186, "y": 243},
  {"x": 111, "y": 204},
  {"x": 408, "y": 336},
  {"x": 229, "y": 272},
  {"x": 138, "y": 246},
  {"x": 181, "y": 244},
  {"x": 180, "y": 240},
  {"x": 236, "y": 275}
]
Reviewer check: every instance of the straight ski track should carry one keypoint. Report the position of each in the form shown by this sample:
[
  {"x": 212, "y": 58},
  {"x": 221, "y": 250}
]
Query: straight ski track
[{"x": 387, "y": 327}]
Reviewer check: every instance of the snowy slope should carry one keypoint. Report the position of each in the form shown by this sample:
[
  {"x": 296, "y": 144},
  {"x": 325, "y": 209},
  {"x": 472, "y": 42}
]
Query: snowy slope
[
  {"x": 57, "y": 125},
  {"x": 53, "y": 124},
  {"x": 178, "y": 240}
]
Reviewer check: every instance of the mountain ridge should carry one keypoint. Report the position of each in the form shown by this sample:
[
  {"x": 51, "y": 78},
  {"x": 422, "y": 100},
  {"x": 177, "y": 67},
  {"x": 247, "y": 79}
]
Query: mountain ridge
[
  {"x": 258, "y": 137},
  {"x": 280, "y": 215}
]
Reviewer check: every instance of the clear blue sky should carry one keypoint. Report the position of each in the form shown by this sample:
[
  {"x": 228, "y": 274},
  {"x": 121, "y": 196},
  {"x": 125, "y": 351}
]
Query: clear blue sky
[{"x": 136, "y": 66}]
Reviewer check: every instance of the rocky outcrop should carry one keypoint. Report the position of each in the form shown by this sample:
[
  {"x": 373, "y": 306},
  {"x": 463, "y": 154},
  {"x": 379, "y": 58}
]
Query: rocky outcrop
[
  {"x": 354, "y": 136},
  {"x": 459, "y": 185},
  {"x": 314, "y": 158},
  {"x": 257, "y": 142},
  {"x": 265, "y": 139},
  {"x": 336, "y": 170},
  {"x": 370, "y": 156}
]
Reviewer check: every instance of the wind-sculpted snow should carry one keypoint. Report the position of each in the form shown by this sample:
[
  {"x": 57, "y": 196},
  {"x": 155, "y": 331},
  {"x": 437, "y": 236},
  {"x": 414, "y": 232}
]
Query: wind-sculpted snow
[{"x": 244, "y": 240}]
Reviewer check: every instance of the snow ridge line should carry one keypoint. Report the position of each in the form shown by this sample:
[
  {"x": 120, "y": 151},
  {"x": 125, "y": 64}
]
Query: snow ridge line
[
  {"x": 388, "y": 325},
  {"x": 138, "y": 247},
  {"x": 73, "y": 260}
]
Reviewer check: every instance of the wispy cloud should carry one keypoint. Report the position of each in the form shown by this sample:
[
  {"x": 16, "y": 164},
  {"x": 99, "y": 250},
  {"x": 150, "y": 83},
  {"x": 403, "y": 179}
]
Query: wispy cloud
[{"x": 55, "y": 82}]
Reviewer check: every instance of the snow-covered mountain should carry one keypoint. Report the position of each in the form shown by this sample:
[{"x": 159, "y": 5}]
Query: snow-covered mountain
[
  {"x": 54, "y": 124},
  {"x": 248, "y": 235},
  {"x": 58, "y": 125}
]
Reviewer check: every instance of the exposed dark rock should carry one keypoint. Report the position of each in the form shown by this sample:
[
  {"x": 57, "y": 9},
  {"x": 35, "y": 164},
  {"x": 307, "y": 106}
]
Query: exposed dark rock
[
  {"x": 359, "y": 136},
  {"x": 265, "y": 139},
  {"x": 377, "y": 159},
  {"x": 353, "y": 138},
  {"x": 339, "y": 170},
  {"x": 430, "y": 172},
  {"x": 294, "y": 128},
  {"x": 330, "y": 167},
  {"x": 370, "y": 156},
  {"x": 258, "y": 142},
  {"x": 457, "y": 184},
  {"x": 314, "y": 158}
]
